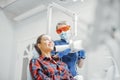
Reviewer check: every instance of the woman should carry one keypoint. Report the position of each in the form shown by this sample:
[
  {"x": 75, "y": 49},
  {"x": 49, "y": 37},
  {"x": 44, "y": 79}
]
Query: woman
[{"x": 47, "y": 67}]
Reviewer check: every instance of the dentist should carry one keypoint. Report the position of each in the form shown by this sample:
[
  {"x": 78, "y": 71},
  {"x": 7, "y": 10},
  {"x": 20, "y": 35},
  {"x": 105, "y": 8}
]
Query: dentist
[{"x": 68, "y": 54}]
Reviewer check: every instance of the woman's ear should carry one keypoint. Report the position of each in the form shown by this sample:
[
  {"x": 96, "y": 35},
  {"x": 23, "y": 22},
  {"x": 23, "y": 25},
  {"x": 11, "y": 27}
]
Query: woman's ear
[{"x": 38, "y": 45}]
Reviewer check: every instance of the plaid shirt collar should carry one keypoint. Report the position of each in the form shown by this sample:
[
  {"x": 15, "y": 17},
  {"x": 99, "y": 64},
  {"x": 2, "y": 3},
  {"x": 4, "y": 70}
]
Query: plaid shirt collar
[{"x": 49, "y": 59}]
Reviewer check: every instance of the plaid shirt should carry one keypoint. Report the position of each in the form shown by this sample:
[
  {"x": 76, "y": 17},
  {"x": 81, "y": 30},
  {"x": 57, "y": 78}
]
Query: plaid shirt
[{"x": 43, "y": 68}]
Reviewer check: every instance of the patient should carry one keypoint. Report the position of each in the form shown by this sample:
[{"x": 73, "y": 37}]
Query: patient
[{"x": 47, "y": 67}]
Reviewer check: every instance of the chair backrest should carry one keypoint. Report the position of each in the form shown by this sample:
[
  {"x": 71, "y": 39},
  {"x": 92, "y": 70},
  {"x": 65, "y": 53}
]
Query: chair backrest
[
  {"x": 29, "y": 77},
  {"x": 34, "y": 55}
]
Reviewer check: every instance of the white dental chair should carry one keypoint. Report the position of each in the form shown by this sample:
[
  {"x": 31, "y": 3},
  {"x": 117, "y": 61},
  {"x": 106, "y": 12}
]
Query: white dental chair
[
  {"x": 34, "y": 54},
  {"x": 29, "y": 77}
]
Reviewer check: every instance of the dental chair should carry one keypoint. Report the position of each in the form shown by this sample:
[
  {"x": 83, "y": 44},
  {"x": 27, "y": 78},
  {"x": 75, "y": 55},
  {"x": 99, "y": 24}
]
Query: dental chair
[
  {"x": 34, "y": 54},
  {"x": 29, "y": 77}
]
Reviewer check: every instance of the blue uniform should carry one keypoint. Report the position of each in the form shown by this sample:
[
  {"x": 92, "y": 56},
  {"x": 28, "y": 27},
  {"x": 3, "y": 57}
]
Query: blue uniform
[{"x": 69, "y": 58}]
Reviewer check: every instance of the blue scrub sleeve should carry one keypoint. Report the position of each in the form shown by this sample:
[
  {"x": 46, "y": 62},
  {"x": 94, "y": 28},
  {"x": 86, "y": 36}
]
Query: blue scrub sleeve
[{"x": 62, "y": 53}]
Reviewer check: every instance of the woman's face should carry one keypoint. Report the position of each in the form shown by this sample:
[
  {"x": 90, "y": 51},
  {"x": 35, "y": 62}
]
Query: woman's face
[{"x": 46, "y": 43}]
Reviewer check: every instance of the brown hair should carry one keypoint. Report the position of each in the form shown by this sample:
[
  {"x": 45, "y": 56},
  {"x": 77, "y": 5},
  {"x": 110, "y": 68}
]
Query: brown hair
[{"x": 37, "y": 42}]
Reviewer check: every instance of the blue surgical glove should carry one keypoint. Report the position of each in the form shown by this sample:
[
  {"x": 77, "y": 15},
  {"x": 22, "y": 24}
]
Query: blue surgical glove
[
  {"x": 62, "y": 53},
  {"x": 81, "y": 54}
]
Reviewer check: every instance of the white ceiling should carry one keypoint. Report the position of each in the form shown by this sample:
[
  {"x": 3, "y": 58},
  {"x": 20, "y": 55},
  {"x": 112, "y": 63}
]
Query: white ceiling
[{"x": 13, "y": 8}]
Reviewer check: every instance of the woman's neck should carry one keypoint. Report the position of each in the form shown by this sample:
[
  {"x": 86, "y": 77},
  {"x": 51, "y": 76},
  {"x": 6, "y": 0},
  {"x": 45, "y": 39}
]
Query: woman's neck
[{"x": 46, "y": 54}]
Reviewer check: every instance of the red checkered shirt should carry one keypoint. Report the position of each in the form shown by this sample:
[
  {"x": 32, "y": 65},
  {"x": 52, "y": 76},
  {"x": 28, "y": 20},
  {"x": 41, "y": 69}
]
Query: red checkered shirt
[{"x": 43, "y": 68}]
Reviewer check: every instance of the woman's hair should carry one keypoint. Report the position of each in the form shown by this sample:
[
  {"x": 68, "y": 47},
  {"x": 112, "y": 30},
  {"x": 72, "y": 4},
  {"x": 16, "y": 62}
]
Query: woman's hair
[{"x": 37, "y": 42}]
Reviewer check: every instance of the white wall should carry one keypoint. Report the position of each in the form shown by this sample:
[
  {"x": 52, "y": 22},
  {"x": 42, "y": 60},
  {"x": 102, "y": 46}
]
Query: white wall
[
  {"x": 31, "y": 27},
  {"x": 98, "y": 62},
  {"x": 103, "y": 34},
  {"x": 6, "y": 48}
]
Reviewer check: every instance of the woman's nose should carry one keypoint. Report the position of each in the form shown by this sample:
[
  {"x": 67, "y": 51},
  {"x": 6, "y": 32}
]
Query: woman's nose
[{"x": 51, "y": 42}]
